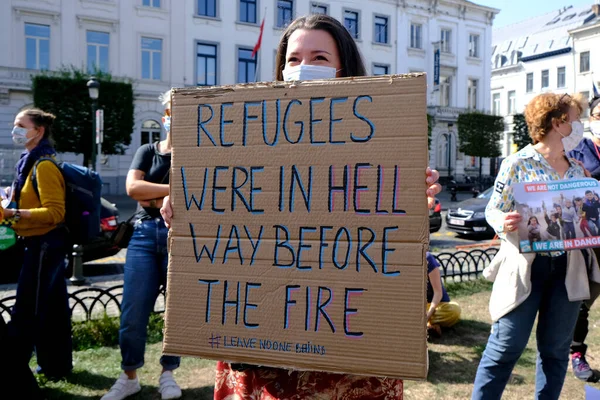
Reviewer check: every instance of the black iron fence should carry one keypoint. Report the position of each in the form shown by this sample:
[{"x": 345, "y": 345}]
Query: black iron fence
[
  {"x": 90, "y": 303},
  {"x": 465, "y": 265}
]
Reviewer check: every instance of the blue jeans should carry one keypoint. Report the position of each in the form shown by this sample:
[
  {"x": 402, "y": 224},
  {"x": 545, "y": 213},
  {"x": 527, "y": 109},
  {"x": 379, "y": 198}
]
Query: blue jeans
[
  {"x": 595, "y": 225},
  {"x": 41, "y": 317},
  {"x": 556, "y": 322},
  {"x": 569, "y": 229},
  {"x": 145, "y": 271}
]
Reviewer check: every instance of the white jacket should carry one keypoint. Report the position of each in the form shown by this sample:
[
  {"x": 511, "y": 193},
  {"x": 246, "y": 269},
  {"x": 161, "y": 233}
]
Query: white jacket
[{"x": 510, "y": 271}]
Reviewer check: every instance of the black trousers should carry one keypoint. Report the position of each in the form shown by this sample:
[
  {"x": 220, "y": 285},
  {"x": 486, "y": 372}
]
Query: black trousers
[
  {"x": 15, "y": 376},
  {"x": 41, "y": 317},
  {"x": 582, "y": 325}
]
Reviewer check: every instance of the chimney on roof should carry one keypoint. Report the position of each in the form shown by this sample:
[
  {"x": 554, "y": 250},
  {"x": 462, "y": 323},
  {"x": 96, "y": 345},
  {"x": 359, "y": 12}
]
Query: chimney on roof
[{"x": 596, "y": 9}]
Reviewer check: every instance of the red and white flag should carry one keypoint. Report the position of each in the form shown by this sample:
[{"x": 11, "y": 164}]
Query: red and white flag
[{"x": 258, "y": 43}]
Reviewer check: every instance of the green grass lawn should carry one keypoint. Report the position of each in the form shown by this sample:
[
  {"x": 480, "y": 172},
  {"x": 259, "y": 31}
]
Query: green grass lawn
[
  {"x": 96, "y": 370},
  {"x": 453, "y": 362},
  {"x": 454, "y": 358}
]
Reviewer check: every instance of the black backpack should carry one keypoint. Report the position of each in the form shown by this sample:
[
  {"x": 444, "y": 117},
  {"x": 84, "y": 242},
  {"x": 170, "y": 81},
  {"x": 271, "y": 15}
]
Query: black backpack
[{"x": 82, "y": 199}]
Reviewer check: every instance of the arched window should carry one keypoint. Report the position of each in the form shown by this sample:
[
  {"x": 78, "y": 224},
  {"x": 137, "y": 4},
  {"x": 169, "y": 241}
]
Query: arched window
[
  {"x": 150, "y": 132},
  {"x": 446, "y": 150},
  {"x": 441, "y": 160}
]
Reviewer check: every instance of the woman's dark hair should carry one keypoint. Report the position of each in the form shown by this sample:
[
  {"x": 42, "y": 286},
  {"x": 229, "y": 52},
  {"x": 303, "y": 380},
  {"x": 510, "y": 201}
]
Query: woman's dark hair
[
  {"x": 41, "y": 118},
  {"x": 352, "y": 63},
  {"x": 530, "y": 218}
]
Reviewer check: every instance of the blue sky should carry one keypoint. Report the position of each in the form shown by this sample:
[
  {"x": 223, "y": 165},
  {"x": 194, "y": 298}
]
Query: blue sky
[{"x": 518, "y": 10}]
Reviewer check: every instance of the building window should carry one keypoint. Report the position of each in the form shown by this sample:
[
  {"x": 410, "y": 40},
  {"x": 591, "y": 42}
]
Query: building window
[
  {"x": 284, "y": 12},
  {"x": 97, "y": 51},
  {"x": 445, "y": 91},
  {"x": 584, "y": 61},
  {"x": 206, "y": 61},
  {"x": 381, "y": 29},
  {"x": 150, "y": 132},
  {"x": 207, "y": 8},
  {"x": 545, "y": 79},
  {"x": 496, "y": 104},
  {"x": 317, "y": 8},
  {"x": 512, "y": 102},
  {"x": 151, "y": 3},
  {"x": 416, "y": 36},
  {"x": 472, "y": 94},
  {"x": 248, "y": 11},
  {"x": 151, "y": 58},
  {"x": 380, "y": 69},
  {"x": 351, "y": 23},
  {"x": 474, "y": 46},
  {"x": 529, "y": 86},
  {"x": 561, "y": 77},
  {"x": 246, "y": 66},
  {"x": 37, "y": 46},
  {"x": 446, "y": 41},
  {"x": 586, "y": 95}
]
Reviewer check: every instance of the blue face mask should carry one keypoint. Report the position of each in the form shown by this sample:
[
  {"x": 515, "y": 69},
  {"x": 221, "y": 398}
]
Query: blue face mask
[{"x": 167, "y": 124}]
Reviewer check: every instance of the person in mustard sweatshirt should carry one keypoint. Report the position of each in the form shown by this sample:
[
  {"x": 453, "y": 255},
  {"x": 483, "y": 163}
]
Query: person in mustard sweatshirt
[{"x": 41, "y": 318}]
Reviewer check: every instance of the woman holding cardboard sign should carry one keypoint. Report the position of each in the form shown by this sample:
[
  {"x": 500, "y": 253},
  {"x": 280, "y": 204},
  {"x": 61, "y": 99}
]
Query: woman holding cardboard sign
[
  {"x": 146, "y": 265},
  {"x": 314, "y": 47},
  {"x": 549, "y": 286}
]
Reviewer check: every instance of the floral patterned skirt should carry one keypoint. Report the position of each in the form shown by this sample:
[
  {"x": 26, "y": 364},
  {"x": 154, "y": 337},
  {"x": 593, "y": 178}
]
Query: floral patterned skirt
[{"x": 262, "y": 383}]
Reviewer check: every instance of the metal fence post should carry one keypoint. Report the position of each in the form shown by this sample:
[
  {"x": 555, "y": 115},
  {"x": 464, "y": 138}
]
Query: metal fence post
[{"x": 77, "y": 278}]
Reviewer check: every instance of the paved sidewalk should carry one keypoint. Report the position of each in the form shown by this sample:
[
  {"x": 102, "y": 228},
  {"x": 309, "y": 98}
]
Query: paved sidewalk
[{"x": 445, "y": 195}]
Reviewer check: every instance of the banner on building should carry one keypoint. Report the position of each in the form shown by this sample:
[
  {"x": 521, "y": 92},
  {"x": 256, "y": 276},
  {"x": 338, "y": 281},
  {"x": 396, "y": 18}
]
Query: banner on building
[{"x": 436, "y": 66}]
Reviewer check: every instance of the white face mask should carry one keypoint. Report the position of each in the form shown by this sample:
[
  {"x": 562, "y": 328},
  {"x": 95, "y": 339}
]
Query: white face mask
[
  {"x": 572, "y": 141},
  {"x": 19, "y": 136},
  {"x": 595, "y": 128},
  {"x": 308, "y": 72}
]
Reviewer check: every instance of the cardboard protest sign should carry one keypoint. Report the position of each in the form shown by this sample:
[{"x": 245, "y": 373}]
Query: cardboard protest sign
[
  {"x": 558, "y": 215},
  {"x": 300, "y": 225}
]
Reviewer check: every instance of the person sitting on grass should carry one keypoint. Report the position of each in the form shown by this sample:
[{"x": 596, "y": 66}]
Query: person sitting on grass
[{"x": 441, "y": 312}]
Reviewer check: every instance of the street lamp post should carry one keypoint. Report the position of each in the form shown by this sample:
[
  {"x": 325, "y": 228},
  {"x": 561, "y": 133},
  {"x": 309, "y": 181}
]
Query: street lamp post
[{"x": 94, "y": 90}]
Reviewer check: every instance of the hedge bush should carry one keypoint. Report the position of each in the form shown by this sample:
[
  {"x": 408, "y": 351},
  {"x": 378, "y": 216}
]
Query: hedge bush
[{"x": 105, "y": 332}]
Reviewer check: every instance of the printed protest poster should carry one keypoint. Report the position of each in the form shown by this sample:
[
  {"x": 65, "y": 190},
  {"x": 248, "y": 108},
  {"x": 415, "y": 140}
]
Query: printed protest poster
[
  {"x": 558, "y": 215},
  {"x": 300, "y": 225}
]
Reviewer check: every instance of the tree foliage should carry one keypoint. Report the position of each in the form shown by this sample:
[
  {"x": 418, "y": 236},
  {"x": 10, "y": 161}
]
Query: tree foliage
[
  {"x": 521, "y": 133},
  {"x": 480, "y": 134},
  {"x": 65, "y": 94}
]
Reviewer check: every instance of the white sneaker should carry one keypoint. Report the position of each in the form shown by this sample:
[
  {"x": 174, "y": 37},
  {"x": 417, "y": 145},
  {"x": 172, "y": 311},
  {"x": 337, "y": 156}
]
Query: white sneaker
[
  {"x": 123, "y": 387},
  {"x": 169, "y": 389}
]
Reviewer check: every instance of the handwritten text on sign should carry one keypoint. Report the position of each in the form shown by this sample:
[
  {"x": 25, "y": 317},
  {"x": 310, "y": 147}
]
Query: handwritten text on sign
[{"x": 293, "y": 219}]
